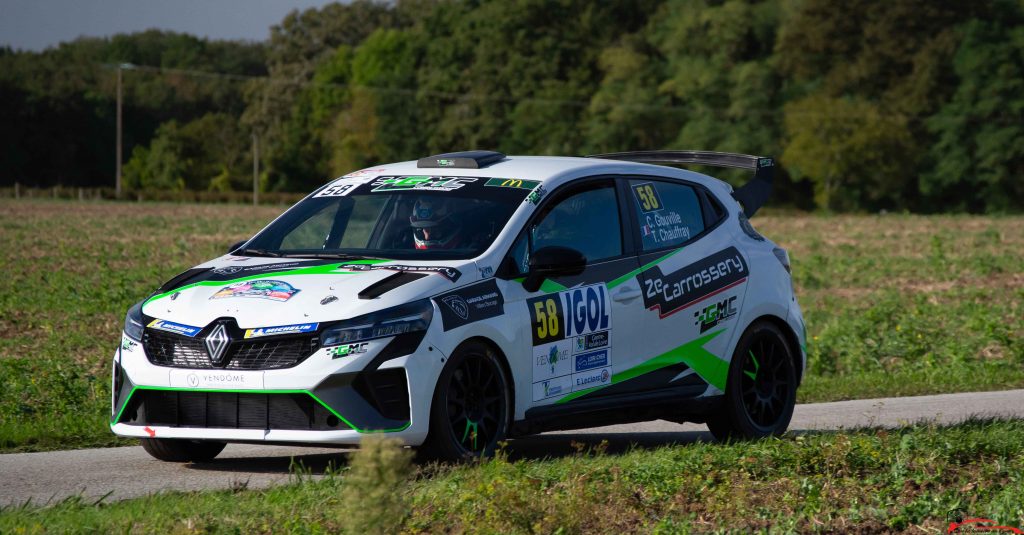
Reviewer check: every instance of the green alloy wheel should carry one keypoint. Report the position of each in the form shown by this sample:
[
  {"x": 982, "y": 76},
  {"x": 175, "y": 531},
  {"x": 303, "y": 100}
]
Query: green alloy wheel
[{"x": 761, "y": 389}]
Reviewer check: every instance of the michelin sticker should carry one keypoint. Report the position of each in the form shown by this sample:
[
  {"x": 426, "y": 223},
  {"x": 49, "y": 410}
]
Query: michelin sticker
[
  {"x": 281, "y": 329},
  {"x": 177, "y": 328},
  {"x": 571, "y": 338}
]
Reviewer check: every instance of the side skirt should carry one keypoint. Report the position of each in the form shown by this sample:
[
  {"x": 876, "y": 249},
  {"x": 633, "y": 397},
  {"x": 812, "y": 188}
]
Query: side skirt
[{"x": 678, "y": 404}]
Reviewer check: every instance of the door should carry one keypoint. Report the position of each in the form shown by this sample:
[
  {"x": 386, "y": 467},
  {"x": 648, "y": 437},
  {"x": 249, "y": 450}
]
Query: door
[
  {"x": 693, "y": 281},
  {"x": 576, "y": 329}
]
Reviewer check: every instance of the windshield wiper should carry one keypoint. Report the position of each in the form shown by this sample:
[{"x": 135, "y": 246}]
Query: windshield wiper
[{"x": 259, "y": 252}]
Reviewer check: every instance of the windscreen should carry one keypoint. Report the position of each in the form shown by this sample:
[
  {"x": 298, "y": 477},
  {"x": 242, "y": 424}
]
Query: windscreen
[{"x": 396, "y": 217}]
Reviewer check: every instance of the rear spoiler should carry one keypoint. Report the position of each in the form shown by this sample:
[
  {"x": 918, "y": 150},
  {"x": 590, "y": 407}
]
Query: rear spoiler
[{"x": 751, "y": 195}]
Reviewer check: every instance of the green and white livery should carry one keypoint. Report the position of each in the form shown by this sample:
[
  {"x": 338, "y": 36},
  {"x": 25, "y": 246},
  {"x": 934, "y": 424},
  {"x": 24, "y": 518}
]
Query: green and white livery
[{"x": 466, "y": 298}]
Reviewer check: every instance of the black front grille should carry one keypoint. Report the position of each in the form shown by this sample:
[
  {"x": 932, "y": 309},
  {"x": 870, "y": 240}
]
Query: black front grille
[
  {"x": 229, "y": 410},
  {"x": 169, "y": 349}
]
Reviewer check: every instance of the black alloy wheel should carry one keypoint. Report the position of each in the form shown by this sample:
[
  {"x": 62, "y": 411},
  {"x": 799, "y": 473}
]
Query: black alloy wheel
[
  {"x": 765, "y": 384},
  {"x": 761, "y": 387},
  {"x": 470, "y": 411}
]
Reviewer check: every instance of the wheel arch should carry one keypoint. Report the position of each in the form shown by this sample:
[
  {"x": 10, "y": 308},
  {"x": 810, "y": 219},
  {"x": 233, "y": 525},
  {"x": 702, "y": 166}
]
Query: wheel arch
[
  {"x": 505, "y": 367},
  {"x": 791, "y": 339}
]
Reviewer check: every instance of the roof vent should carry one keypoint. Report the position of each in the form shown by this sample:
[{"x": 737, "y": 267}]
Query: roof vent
[{"x": 470, "y": 159}]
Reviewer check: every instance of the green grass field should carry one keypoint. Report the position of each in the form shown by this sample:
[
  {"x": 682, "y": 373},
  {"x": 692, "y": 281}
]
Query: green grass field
[
  {"x": 895, "y": 305},
  {"x": 866, "y": 481}
]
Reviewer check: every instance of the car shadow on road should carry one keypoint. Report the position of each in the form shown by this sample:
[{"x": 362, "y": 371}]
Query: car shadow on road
[
  {"x": 312, "y": 464},
  {"x": 536, "y": 447}
]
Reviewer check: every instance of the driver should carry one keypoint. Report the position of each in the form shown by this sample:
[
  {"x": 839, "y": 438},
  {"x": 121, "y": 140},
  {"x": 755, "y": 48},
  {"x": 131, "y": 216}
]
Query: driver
[{"x": 434, "y": 225}]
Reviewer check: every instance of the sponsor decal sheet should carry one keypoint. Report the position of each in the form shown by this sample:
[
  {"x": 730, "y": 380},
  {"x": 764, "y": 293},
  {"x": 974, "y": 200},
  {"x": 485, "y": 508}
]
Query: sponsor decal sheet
[{"x": 571, "y": 339}]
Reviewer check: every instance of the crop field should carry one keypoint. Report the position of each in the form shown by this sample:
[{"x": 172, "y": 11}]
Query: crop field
[
  {"x": 910, "y": 480},
  {"x": 895, "y": 304}
]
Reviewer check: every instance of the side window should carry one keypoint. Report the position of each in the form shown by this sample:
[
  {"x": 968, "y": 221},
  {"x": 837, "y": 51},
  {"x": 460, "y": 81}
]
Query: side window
[
  {"x": 668, "y": 215},
  {"x": 587, "y": 221}
]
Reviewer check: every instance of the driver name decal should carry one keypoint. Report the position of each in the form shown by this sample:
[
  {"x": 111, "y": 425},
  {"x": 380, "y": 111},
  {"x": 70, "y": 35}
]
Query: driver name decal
[
  {"x": 571, "y": 337},
  {"x": 698, "y": 281}
]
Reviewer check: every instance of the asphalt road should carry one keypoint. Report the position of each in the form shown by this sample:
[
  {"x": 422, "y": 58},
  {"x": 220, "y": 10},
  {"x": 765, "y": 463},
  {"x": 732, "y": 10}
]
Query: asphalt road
[{"x": 119, "y": 473}]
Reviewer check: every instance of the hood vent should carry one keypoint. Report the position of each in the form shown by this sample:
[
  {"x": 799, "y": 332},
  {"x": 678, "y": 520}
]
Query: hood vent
[{"x": 389, "y": 283}]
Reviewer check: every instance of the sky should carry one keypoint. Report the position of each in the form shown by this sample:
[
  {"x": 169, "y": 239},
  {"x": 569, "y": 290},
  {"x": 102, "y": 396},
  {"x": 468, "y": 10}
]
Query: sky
[{"x": 39, "y": 24}]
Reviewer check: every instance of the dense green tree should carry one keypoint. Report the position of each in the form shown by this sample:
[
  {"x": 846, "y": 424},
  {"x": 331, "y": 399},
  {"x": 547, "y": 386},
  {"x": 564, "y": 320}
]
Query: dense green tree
[
  {"x": 850, "y": 149},
  {"x": 209, "y": 153},
  {"x": 978, "y": 154},
  {"x": 905, "y": 104}
]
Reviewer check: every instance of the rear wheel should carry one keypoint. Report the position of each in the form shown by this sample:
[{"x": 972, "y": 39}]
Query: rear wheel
[
  {"x": 760, "y": 391},
  {"x": 470, "y": 410},
  {"x": 182, "y": 451}
]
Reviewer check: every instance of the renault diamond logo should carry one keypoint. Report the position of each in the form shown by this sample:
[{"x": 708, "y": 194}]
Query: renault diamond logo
[{"x": 217, "y": 344}]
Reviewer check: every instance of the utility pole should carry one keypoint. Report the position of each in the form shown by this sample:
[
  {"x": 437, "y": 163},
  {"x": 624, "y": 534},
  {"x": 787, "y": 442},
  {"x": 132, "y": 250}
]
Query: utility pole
[
  {"x": 117, "y": 187},
  {"x": 120, "y": 68},
  {"x": 255, "y": 170}
]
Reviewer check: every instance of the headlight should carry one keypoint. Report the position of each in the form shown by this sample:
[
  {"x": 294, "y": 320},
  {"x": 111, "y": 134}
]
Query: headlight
[
  {"x": 408, "y": 318},
  {"x": 133, "y": 322}
]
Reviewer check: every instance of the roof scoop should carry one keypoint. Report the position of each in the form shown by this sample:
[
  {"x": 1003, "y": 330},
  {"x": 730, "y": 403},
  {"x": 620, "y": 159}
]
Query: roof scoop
[{"x": 470, "y": 159}]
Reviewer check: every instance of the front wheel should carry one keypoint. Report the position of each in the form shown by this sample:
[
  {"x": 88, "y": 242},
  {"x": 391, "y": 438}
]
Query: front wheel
[
  {"x": 470, "y": 412},
  {"x": 760, "y": 391},
  {"x": 180, "y": 450}
]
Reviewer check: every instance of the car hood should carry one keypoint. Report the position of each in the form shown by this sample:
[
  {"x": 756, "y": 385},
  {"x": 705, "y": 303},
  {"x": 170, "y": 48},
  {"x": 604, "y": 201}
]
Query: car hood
[{"x": 265, "y": 292}]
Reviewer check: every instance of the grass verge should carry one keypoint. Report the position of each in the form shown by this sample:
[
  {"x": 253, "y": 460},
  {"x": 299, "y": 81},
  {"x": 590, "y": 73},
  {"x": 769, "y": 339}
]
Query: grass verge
[{"x": 867, "y": 481}]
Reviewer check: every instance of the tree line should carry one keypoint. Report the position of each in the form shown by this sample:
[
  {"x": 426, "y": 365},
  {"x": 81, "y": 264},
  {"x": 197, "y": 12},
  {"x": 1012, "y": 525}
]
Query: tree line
[{"x": 867, "y": 105}]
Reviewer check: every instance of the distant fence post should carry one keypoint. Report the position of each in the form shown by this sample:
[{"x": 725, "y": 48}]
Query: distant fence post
[
  {"x": 81, "y": 194},
  {"x": 17, "y": 190}
]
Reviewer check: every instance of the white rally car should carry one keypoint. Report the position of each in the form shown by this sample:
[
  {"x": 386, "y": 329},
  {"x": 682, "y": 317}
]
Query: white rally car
[{"x": 466, "y": 298}]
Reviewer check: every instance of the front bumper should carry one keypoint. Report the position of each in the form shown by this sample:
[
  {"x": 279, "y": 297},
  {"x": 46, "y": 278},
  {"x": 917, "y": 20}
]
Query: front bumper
[{"x": 322, "y": 400}]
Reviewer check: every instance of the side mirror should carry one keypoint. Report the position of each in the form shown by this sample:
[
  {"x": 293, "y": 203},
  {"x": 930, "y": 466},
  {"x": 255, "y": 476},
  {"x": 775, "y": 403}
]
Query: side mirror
[
  {"x": 235, "y": 247},
  {"x": 552, "y": 261}
]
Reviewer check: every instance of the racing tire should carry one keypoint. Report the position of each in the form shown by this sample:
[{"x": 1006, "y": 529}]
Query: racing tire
[
  {"x": 182, "y": 451},
  {"x": 760, "y": 391},
  {"x": 471, "y": 408}
]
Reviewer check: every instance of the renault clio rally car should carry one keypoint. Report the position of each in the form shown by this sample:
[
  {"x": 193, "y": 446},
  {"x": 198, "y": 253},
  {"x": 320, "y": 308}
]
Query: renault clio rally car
[{"x": 465, "y": 298}]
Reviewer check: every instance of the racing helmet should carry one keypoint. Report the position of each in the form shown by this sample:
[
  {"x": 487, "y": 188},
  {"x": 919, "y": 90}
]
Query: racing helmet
[{"x": 434, "y": 225}]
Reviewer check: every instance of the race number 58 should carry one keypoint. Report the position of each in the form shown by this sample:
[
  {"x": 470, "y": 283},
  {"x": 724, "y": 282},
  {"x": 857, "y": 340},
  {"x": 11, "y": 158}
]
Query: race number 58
[
  {"x": 647, "y": 196},
  {"x": 547, "y": 319}
]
